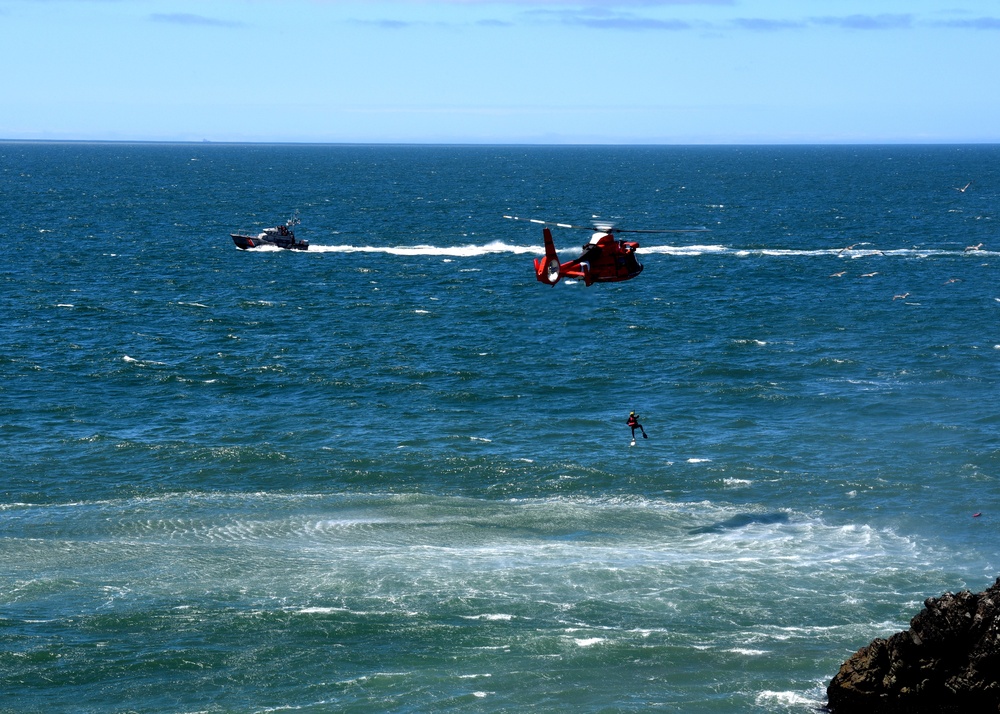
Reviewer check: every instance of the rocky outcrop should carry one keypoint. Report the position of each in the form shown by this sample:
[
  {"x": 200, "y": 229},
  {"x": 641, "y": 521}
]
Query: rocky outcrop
[{"x": 948, "y": 661}]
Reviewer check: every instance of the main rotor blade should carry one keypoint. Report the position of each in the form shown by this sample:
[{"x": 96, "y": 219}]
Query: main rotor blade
[
  {"x": 606, "y": 228},
  {"x": 658, "y": 230},
  {"x": 549, "y": 223}
]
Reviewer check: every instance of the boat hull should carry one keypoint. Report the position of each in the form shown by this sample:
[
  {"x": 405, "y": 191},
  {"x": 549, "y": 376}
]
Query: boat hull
[{"x": 288, "y": 243}]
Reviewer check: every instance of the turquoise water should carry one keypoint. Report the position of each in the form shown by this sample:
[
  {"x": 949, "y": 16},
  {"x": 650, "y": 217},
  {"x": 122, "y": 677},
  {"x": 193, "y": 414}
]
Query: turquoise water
[{"x": 392, "y": 473}]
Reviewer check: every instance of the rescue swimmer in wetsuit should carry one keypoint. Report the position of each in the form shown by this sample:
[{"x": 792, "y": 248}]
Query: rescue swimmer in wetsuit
[{"x": 633, "y": 421}]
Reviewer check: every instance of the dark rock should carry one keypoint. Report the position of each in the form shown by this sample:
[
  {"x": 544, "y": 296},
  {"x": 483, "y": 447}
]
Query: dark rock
[{"x": 948, "y": 661}]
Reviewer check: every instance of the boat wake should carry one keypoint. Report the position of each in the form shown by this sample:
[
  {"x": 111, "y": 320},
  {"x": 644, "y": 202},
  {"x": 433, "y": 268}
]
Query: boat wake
[
  {"x": 499, "y": 247},
  {"x": 461, "y": 251}
]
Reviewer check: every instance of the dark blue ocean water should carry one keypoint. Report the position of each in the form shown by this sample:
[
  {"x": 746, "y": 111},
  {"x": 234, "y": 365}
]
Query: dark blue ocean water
[{"x": 392, "y": 473}]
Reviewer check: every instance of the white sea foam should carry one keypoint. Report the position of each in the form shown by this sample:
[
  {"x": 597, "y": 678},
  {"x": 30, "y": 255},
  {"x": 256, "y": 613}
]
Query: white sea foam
[
  {"x": 316, "y": 554},
  {"x": 690, "y": 250},
  {"x": 463, "y": 251},
  {"x": 588, "y": 641},
  {"x": 696, "y": 250},
  {"x": 141, "y": 362},
  {"x": 786, "y": 699}
]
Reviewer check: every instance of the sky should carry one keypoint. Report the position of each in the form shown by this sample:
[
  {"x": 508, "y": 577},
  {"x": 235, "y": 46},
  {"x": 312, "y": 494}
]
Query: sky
[{"x": 503, "y": 71}]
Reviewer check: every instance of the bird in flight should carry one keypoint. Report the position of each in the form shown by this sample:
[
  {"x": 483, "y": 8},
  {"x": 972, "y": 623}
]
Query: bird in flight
[{"x": 962, "y": 190}]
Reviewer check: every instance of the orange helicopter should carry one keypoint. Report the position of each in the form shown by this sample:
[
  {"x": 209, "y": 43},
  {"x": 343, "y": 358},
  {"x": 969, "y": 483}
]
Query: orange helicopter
[{"x": 604, "y": 258}]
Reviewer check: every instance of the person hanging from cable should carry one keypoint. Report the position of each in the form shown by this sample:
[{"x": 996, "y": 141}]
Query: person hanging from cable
[{"x": 633, "y": 422}]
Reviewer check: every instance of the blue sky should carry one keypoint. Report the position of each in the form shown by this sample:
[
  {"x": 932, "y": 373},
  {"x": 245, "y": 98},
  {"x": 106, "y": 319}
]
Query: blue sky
[{"x": 516, "y": 71}]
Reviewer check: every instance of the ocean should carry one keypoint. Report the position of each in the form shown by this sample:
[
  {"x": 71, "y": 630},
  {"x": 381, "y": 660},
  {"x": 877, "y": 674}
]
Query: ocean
[{"x": 392, "y": 473}]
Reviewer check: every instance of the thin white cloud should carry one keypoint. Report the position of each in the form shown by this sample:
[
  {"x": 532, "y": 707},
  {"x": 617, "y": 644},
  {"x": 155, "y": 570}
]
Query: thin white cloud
[
  {"x": 388, "y": 24},
  {"x": 978, "y": 23},
  {"x": 868, "y": 22},
  {"x": 600, "y": 18},
  {"x": 758, "y": 24},
  {"x": 185, "y": 18},
  {"x": 623, "y": 22},
  {"x": 614, "y": 15}
]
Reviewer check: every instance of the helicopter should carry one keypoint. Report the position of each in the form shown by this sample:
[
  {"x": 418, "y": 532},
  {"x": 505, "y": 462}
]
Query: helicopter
[{"x": 604, "y": 258}]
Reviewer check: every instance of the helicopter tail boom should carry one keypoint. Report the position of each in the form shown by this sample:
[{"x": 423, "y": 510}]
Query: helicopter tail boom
[{"x": 547, "y": 269}]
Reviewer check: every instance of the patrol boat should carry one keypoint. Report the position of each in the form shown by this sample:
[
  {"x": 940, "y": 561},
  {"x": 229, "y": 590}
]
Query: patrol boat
[{"x": 280, "y": 236}]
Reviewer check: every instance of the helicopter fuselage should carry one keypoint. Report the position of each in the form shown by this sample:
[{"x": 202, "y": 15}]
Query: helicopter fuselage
[{"x": 603, "y": 260}]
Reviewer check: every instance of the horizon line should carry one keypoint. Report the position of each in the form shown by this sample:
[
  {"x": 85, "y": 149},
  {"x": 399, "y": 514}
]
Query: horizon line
[{"x": 209, "y": 142}]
